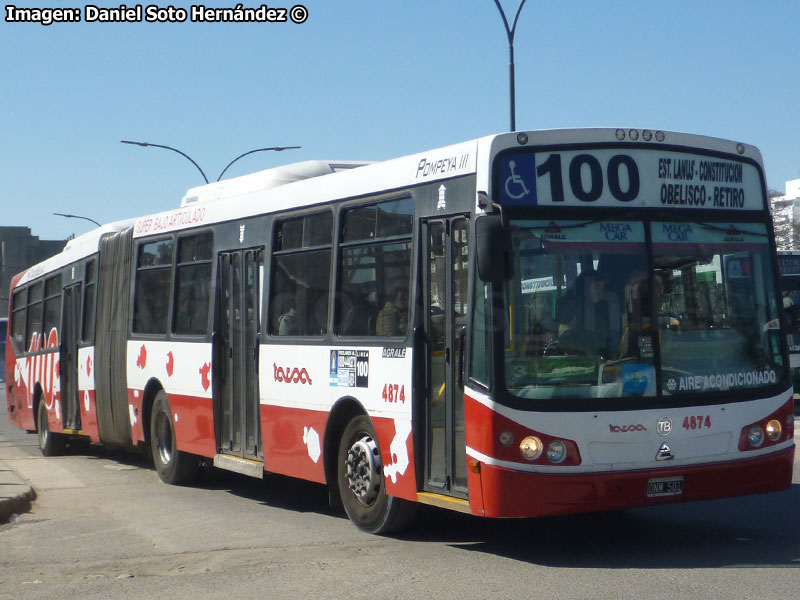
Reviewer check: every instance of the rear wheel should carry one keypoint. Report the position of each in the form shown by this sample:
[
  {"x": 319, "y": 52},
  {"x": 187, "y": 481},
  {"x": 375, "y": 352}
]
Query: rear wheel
[
  {"x": 172, "y": 465},
  {"x": 361, "y": 482},
  {"x": 51, "y": 444}
]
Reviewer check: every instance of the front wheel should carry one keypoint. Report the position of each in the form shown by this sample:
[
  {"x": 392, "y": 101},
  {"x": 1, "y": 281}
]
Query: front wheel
[
  {"x": 51, "y": 444},
  {"x": 172, "y": 465},
  {"x": 362, "y": 485}
]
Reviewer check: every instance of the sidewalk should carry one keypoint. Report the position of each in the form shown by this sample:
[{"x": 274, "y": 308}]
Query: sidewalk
[{"x": 15, "y": 495}]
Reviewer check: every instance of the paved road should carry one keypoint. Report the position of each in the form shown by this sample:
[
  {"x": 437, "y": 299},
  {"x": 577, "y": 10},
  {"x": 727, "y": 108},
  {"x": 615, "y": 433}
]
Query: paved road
[{"x": 104, "y": 526}]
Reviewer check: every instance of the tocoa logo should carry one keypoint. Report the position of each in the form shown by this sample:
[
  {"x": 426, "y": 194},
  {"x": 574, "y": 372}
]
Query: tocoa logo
[
  {"x": 290, "y": 375},
  {"x": 626, "y": 428}
]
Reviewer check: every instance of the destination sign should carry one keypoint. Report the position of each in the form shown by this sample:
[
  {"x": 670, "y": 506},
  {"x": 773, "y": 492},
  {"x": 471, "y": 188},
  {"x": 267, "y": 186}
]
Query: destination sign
[{"x": 632, "y": 177}]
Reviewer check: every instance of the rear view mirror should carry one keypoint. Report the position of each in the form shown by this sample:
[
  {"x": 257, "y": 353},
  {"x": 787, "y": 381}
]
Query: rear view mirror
[{"x": 493, "y": 248}]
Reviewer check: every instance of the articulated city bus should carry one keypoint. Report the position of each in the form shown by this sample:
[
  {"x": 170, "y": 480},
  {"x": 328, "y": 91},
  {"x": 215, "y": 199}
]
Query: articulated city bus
[
  {"x": 526, "y": 324},
  {"x": 789, "y": 264}
]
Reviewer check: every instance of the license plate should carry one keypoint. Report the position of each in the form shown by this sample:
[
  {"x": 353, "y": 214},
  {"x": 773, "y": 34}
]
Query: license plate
[{"x": 665, "y": 486}]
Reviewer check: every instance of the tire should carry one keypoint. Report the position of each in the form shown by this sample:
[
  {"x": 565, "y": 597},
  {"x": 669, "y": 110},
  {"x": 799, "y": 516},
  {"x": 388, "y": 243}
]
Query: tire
[
  {"x": 362, "y": 485},
  {"x": 172, "y": 465},
  {"x": 51, "y": 444}
]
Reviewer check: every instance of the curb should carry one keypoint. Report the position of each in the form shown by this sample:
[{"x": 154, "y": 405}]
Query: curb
[{"x": 17, "y": 503}]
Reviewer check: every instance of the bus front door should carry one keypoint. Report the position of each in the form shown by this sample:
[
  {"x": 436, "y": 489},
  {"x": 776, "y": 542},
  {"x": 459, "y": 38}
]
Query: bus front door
[
  {"x": 237, "y": 420},
  {"x": 445, "y": 302},
  {"x": 68, "y": 357}
]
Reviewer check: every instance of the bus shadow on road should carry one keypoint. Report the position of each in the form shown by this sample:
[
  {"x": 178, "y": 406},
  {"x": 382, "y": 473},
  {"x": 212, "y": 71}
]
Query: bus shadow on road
[
  {"x": 273, "y": 490},
  {"x": 753, "y": 531},
  {"x": 276, "y": 491}
]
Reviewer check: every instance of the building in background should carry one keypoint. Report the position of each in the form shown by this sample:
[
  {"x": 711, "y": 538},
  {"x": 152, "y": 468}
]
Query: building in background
[
  {"x": 19, "y": 249},
  {"x": 786, "y": 216}
]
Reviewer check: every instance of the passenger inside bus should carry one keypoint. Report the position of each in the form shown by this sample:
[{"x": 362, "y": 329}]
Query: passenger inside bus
[
  {"x": 392, "y": 319},
  {"x": 287, "y": 322}
]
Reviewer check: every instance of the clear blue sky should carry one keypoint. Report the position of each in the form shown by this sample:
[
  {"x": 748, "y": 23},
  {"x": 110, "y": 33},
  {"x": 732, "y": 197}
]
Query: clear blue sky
[{"x": 369, "y": 80}]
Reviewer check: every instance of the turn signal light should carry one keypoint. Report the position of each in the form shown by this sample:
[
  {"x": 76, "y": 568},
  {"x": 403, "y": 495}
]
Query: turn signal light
[{"x": 506, "y": 438}]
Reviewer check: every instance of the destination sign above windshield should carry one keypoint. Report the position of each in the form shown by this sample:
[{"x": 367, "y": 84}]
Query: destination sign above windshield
[{"x": 632, "y": 177}]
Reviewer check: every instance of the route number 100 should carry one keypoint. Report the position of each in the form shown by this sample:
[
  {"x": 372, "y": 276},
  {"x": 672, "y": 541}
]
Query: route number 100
[{"x": 618, "y": 162}]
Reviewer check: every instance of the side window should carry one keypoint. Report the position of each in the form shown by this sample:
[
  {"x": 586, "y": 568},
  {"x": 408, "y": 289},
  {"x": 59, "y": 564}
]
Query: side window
[
  {"x": 89, "y": 313},
  {"x": 34, "y": 315},
  {"x": 153, "y": 284},
  {"x": 52, "y": 304},
  {"x": 301, "y": 264},
  {"x": 19, "y": 302},
  {"x": 193, "y": 284},
  {"x": 375, "y": 269}
]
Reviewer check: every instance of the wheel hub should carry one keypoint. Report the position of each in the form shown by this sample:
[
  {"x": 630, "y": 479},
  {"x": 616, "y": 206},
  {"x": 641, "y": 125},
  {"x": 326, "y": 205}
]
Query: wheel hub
[{"x": 364, "y": 470}]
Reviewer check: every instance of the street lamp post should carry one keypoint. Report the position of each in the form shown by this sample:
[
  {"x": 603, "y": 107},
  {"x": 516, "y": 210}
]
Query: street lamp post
[
  {"x": 146, "y": 144},
  {"x": 77, "y": 217},
  {"x": 510, "y": 33},
  {"x": 275, "y": 148}
]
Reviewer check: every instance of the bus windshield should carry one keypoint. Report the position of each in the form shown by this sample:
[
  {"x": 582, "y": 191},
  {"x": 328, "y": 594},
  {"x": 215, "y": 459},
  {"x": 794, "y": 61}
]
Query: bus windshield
[{"x": 611, "y": 309}]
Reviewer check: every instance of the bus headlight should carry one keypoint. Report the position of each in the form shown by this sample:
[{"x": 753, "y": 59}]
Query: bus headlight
[
  {"x": 556, "y": 452},
  {"x": 531, "y": 447},
  {"x": 774, "y": 430},
  {"x": 755, "y": 436}
]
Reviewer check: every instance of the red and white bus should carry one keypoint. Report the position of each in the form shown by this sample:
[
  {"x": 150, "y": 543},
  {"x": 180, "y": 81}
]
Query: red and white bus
[{"x": 526, "y": 324}]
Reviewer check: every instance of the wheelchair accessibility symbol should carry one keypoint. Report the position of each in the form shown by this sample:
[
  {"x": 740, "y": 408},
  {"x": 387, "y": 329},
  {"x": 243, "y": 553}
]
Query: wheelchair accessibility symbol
[{"x": 515, "y": 186}]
